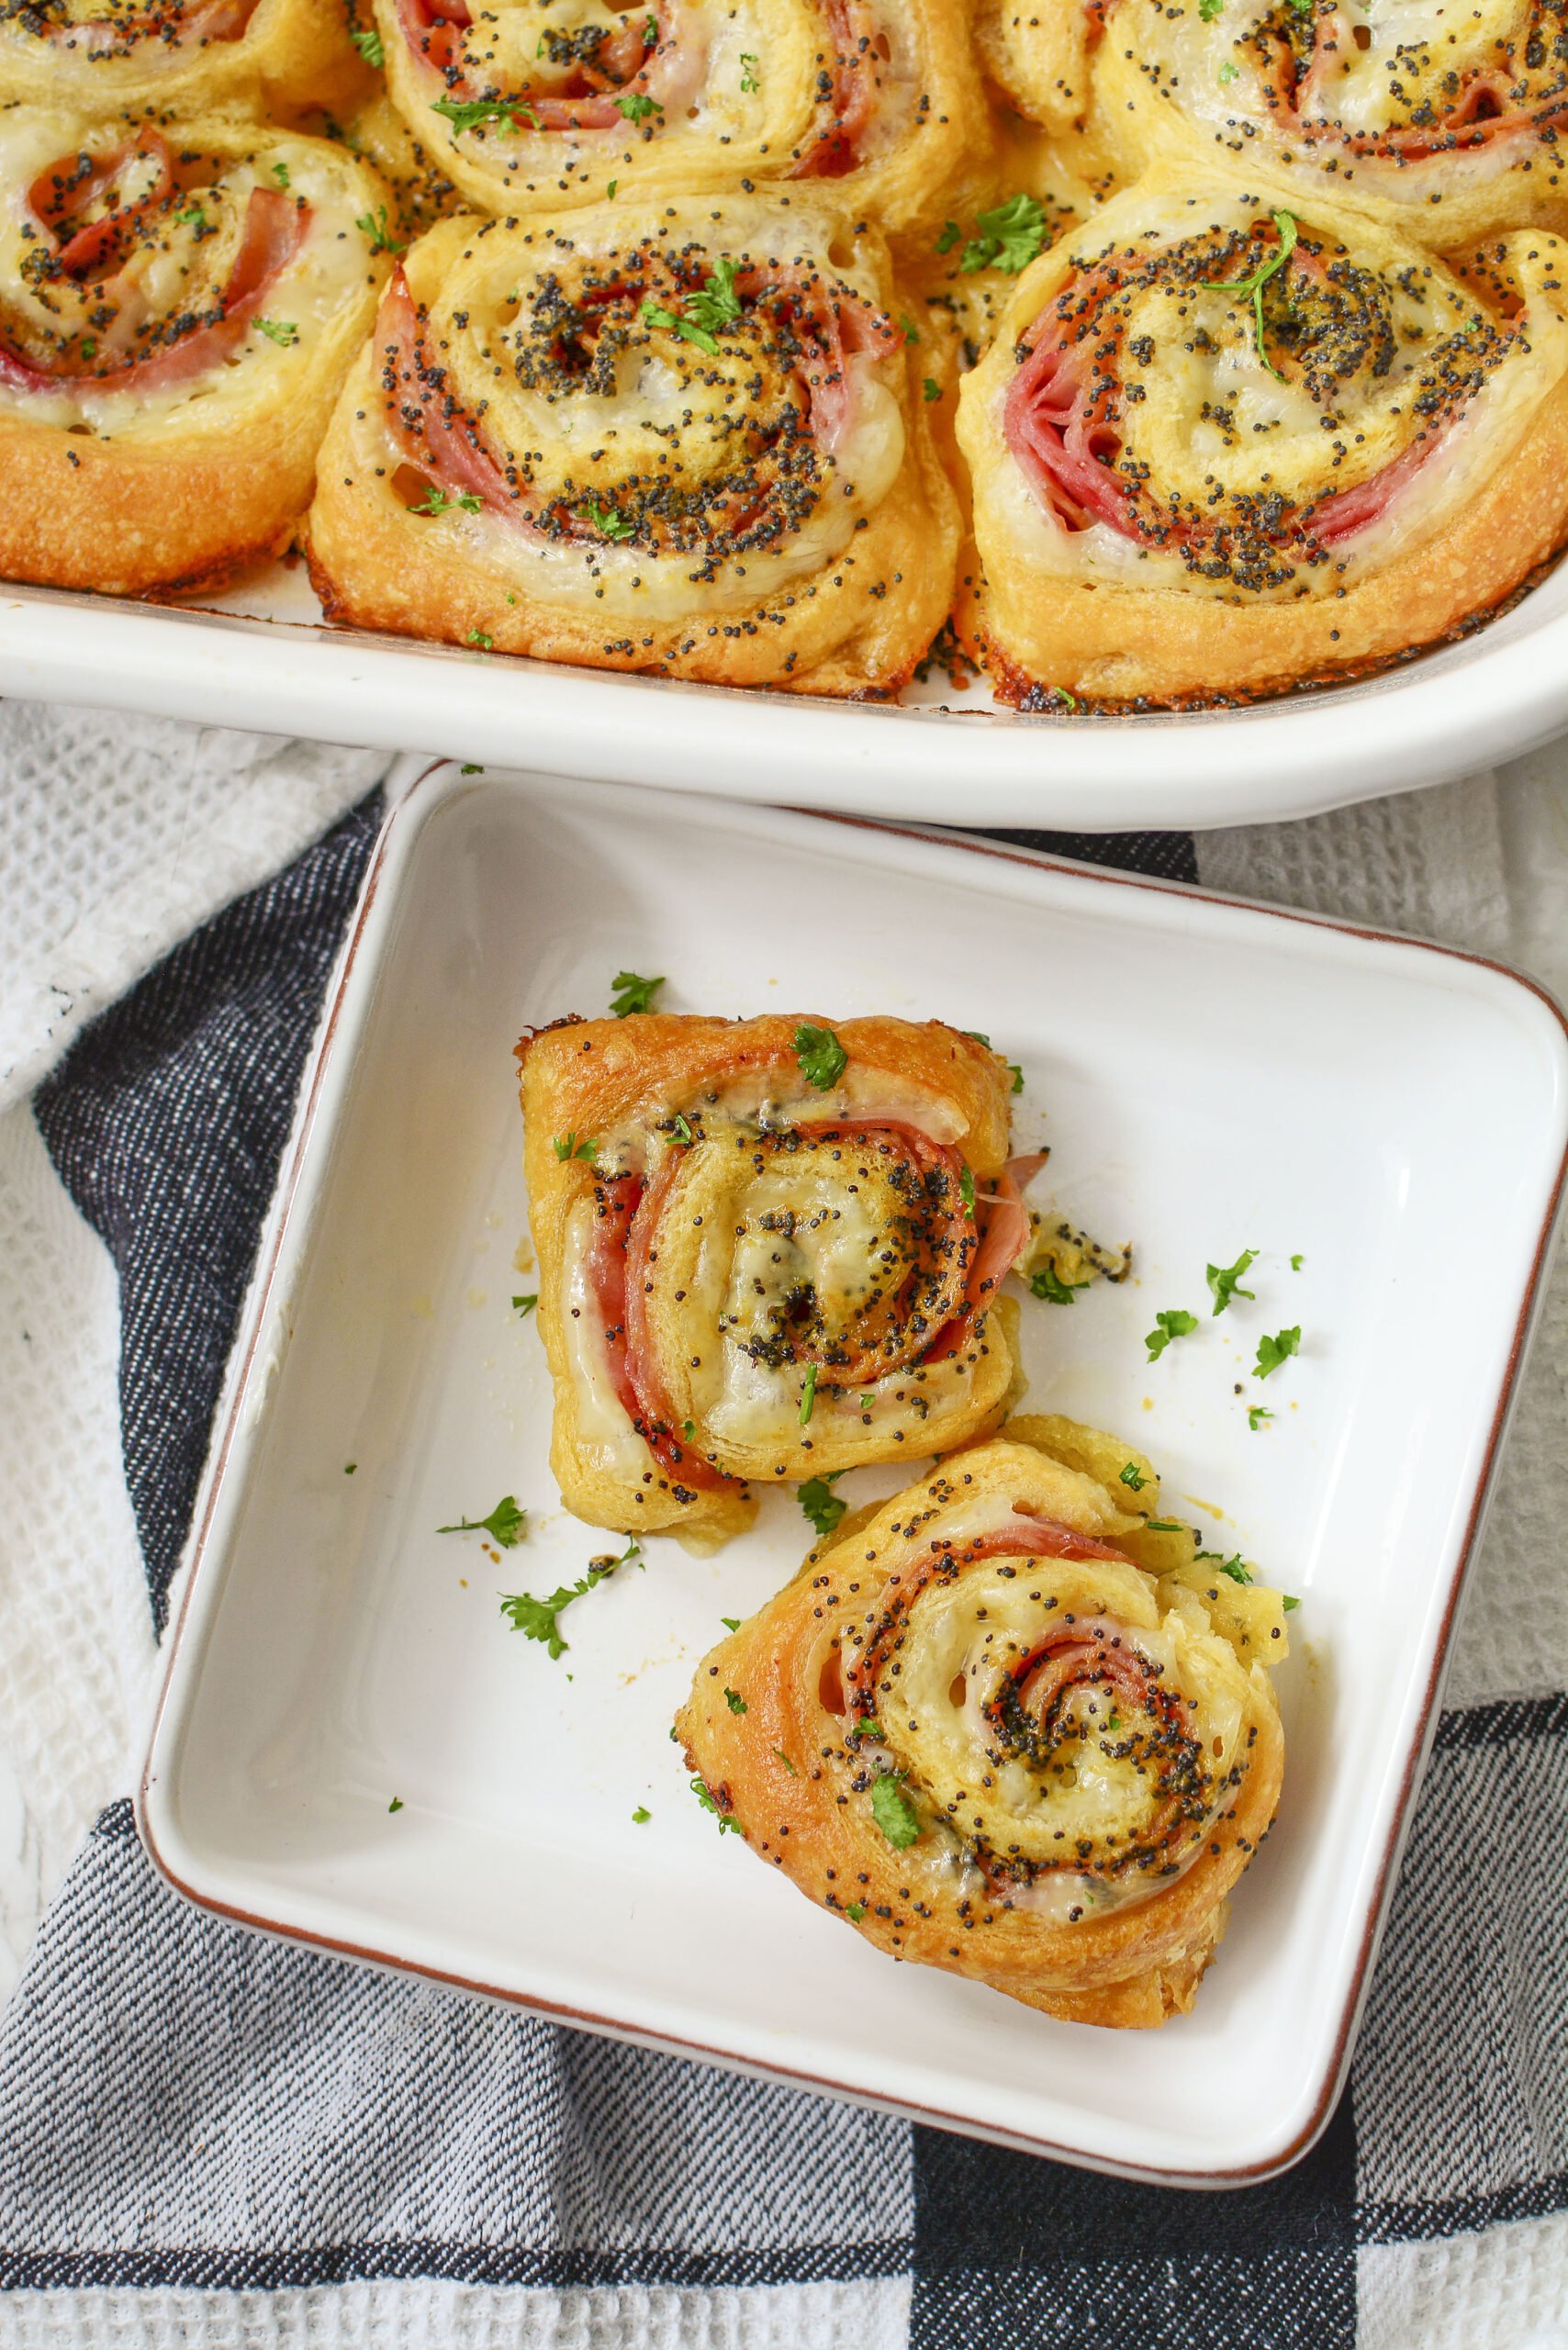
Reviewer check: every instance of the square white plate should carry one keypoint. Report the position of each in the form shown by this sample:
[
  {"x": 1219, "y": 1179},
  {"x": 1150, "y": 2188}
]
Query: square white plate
[{"x": 1210, "y": 1077}]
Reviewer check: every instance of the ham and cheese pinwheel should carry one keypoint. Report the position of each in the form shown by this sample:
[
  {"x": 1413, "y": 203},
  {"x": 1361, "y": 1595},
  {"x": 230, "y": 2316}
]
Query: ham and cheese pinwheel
[
  {"x": 1449, "y": 120},
  {"x": 193, "y": 56},
  {"x": 767, "y": 1250},
  {"x": 682, "y": 438},
  {"x": 177, "y": 310},
  {"x": 537, "y": 105},
  {"x": 1002, "y": 1729},
  {"x": 1220, "y": 446}
]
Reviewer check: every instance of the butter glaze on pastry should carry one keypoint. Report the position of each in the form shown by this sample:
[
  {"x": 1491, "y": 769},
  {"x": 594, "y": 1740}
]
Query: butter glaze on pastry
[
  {"x": 546, "y": 101},
  {"x": 682, "y": 438},
  {"x": 1448, "y": 121},
  {"x": 196, "y": 55},
  {"x": 1219, "y": 446},
  {"x": 178, "y": 306},
  {"x": 1003, "y": 1729},
  {"x": 751, "y": 1276}
]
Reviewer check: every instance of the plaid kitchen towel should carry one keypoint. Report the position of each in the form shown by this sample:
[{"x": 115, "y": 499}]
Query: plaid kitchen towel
[{"x": 208, "y": 2139}]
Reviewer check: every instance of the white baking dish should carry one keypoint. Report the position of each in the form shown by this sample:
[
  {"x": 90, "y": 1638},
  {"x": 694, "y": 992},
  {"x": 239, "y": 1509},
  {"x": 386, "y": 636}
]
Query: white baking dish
[
  {"x": 262, "y": 659},
  {"x": 1210, "y": 1077}
]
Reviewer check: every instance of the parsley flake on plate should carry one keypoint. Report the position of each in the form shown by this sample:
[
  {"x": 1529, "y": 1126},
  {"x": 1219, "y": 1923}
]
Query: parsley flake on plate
[
  {"x": 525, "y": 1305},
  {"x": 731, "y": 1624},
  {"x": 396, "y": 1804},
  {"x": 641, "y": 1817},
  {"x": 821, "y": 1504},
  {"x": 894, "y": 1814},
  {"x": 506, "y": 1524},
  {"x": 1272, "y": 1352},
  {"x": 538, "y": 1619},
  {"x": 634, "y": 994},
  {"x": 1175, "y": 1322},
  {"x": 1256, "y": 1415},
  {"x": 1224, "y": 1280},
  {"x": 822, "y": 1058}
]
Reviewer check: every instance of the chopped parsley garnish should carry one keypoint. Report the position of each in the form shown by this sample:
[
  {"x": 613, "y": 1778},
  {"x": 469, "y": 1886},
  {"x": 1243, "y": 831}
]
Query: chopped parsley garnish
[
  {"x": 1209, "y": 9},
  {"x": 537, "y": 1620},
  {"x": 730, "y": 1623},
  {"x": 374, "y": 226},
  {"x": 567, "y": 1146},
  {"x": 867, "y": 1400},
  {"x": 1133, "y": 1475},
  {"x": 894, "y": 1814},
  {"x": 349, "y": 1468},
  {"x": 855, "y": 1911},
  {"x": 1047, "y": 1283},
  {"x": 822, "y": 1058},
  {"x": 821, "y": 1504},
  {"x": 506, "y": 1522},
  {"x": 1230, "y": 70},
  {"x": 911, "y": 332},
  {"x": 1297, "y": 1264},
  {"x": 1256, "y": 1415},
  {"x": 679, "y": 1130},
  {"x": 1176, "y": 1324},
  {"x": 735, "y": 1702},
  {"x": 478, "y": 636},
  {"x": 437, "y": 502},
  {"x": 808, "y": 1396},
  {"x": 610, "y": 188},
  {"x": 716, "y": 304},
  {"x": 468, "y": 114},
  {"x": 283, "y": 331},
  {"x": 870, "y": 1728},
  {"x": 193, "y": 217},
  {"x": 967, "y": 1189},
  {"x": 931, "y": 387},
  {"x": 1253, "y": 285},
  {"x": 369, "y": 47},
  {"x": 951, "y": 232},
  {"x": 1011, "y": 234},
  {"x": 654, "y": 316},
  {"x": 642, "y": 1816},
  {"x": 396, "y": 1804},
  {"x": 651, "y": 30},
  {"x": 1287, "y": 1602},
  {"x": 280, "y": 173},
  {"x": 751, "y": 73},
  {"x": 700, "y": 1790},
  {"x": 1272, "y": 1352},
  {"x": 632, "y": 993},
  {"x": 1013, "y": 1072},
  {"x": 607, "y": 520},
  {"x": 688, "y": 1429},
  {"x": 1113, "y": 1720},
  {"x": 1224, "y": 1280},
  {"x": 781, "y": 1756},
  {"x": 89, "y": 348},
  {"x": 636, "y": 106},
  {"x": 1235, "y": 1566},
  {"x": 1163, "y": 1526},
  {"x": 525, "y": 1305}
]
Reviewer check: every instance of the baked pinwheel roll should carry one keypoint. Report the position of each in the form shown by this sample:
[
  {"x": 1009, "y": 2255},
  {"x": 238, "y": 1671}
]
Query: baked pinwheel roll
[
  {"x": 537, "y": 105},
  {"x": 767, "y": 1250},
  {"x": 684, "y": 438},
  {"x": 1449, "y": 120},
  {"x": 195, "y": 56},
  {"x": 1003, "y": 1729},
  {"x": 1220, "y": 447},
  {"x": 177, "y": 310}
]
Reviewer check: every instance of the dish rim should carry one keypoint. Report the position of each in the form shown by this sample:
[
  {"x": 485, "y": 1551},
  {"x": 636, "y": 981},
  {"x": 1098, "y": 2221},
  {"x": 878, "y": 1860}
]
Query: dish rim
[
  {"x": 1499, "y": 693},
  {"x": 423, "y": 795}
]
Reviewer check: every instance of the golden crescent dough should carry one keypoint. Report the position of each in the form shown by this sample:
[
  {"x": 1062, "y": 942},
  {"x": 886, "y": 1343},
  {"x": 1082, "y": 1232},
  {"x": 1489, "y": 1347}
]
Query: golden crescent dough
[
  {"x": 1220, "y": 446},
  {"x": 685, "y": 439},
  {"x": 378, "y": 134},
  {"x": 194, "y": 56},
  {"x": 1449, "y": 126},
  {"x": 177, "y": 311},
  {"x": 1039, "y": 54},
  {"x": 1004, "y": 1729},
  {"x": 536, "y": 106},
  {"x": 745, "y": 1274}
]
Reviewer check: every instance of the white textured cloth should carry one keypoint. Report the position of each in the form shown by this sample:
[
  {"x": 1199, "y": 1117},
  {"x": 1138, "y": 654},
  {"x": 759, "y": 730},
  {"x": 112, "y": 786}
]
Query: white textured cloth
[{"x": 118, "y": 836}]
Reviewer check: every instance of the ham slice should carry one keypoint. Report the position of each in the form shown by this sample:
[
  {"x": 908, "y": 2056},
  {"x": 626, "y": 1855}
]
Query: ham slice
[
  {"x": 1057, "y": 422},
  {"x": 63, "y": 191},
  {"x": 855, "y": 35},
  {"x": 179, "y": 28},
  {"x": 428, "y": 425}
]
